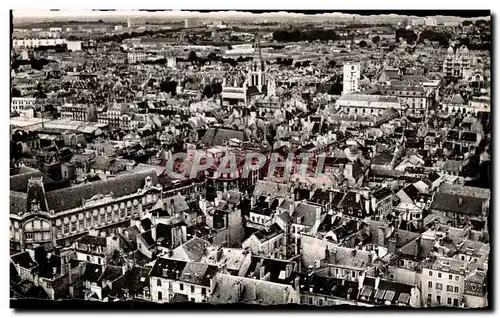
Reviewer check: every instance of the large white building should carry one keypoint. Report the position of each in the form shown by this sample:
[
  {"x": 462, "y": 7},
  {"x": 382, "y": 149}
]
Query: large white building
[
  {"x": 366, "y": 104},
  {"x": 352, "y": 76},
  {"x": 32, "y": 43},
  {"x": 23, "y": 105}
]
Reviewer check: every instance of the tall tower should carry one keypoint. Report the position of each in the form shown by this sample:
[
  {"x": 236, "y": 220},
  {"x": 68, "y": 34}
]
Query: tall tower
[
  {"x": 257, "y": 76},
  {"x": 352, "y": 76},
  {"x": 129, "y": 23}
]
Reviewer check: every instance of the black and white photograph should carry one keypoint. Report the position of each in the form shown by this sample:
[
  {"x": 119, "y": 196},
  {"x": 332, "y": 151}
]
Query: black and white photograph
[{"x": 250, "y": 159}]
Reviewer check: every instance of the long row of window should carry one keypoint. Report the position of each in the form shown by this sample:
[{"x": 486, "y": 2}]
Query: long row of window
[{"x": 450, "y": 276}]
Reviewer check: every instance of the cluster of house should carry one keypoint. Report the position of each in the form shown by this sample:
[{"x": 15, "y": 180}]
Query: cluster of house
[{"x": 398, "y": 214}]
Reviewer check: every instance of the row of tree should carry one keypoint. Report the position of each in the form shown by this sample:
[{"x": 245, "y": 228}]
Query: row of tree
[{"x": 308, "y": 35}]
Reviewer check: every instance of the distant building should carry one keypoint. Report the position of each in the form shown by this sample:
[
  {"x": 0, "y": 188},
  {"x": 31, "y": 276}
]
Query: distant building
[
  {"x": 191, "y": 23},
  {"x": 366, "y": 104},
  {"x": 429, "y": 21},
  {"x": 74, "y": 45},
  {"x": 352, "y": 76},
  {"x": 32, "y": 43},
  {"x": 135, "y": 57},
  {"x": 129, "y": 23}
]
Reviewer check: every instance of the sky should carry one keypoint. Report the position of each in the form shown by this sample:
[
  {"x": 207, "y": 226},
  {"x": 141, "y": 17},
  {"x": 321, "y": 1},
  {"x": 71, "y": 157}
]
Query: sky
[{"x": 178, "y": 13}]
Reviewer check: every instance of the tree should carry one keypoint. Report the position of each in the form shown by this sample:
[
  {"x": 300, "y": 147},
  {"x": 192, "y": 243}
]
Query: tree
[
  {"x": 363, "y": 43},
  {"x": 193, "y": 57},
  {"x": 376, "y": 39},
  {"x": 297, "y": 64},
  {"x": 212, "y": 56},
  {"x": 15, "y": 92},
  {"x": 466, "y": 23},
  {"x": 332, "y": 64}
]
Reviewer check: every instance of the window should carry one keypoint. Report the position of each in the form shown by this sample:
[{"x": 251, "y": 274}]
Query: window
[
  {"x": 429, "y": 284},
  {"x": 429, "y": 297},
  {"x": 160, "y": 296},
  {"x": 457, "y": 278},
  {"x": 192, "y": 289},
  {"x": 99, "y": 260},
  {"x": 449, "y": 301},
  {"x": 456, "y": 290},
  {"x": 449, "y": 288},
  {"x": 310, "y": 300},
  {"x": 192, "y": 300},
  {"x": 450, "y": 277},
  {"x": 438, "y": 299},
  {"x": 439, "y": 275},
  {"x": 455, "y": 302},
  {"x": 203, "y": 291},
  {"x": 181, "y": 286},
  {"x": 158, "y": 282},
  {"x": 430, "y": 273},
  {"x": 88, "y": 258},
  {"x": 439, "y": 286},
  {"x": 320, "y": 302}
]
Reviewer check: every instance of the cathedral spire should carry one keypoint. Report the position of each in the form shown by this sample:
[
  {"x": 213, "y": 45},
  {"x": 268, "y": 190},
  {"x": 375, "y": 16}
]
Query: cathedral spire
[{"x": 257, "y": 57}]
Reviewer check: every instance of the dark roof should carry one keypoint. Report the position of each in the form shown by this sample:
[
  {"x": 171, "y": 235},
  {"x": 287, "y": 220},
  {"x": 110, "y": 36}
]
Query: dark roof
[
  {"x": 449, "y": 202},
  {"x": 70, "y": 198},
  {"x": 469, "y": 136},
  {"x": 381, "y": 193},
  {"x": 19, "y": 182},
  {"x": 147, "y": 237},
  {"x": 220, "y": 136},
  {"x": 92, "y": 240},
  {"x": 24, "y": 260},
  {"x": 265, "y": 235},
  {"x": 92, "y": 272}
]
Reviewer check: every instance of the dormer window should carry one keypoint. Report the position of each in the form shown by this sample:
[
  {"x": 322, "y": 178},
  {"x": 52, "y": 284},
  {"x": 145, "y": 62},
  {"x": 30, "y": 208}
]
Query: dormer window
[{"x": 35, "y": 205}]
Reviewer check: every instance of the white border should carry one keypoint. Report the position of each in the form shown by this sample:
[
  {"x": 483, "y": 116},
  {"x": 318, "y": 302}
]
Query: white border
[{"x": 215, "y": 4}]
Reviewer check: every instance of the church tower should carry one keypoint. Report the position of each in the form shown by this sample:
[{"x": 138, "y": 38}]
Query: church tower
[{"x": 257, "y": 76}]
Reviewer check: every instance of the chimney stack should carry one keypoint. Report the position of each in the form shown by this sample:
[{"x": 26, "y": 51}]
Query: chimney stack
[
  {"x": 381, "y": 235},
  {"x": 288, "y": 270}
]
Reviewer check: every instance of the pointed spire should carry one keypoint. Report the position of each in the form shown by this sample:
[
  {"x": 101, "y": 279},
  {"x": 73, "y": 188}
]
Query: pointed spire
[{"x": 257, "y": 58}]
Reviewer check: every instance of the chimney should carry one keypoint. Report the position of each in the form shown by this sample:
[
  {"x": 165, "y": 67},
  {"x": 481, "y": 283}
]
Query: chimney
[
  {"x": 296, "y": 283},
  {"x": 377, "y": 282},
  {"x": 391, "y": 243},
  {"x": 460, "y": 201},
  {"x": 238, "y": 290},
  {"x": 292, "y": 208},
  {"x": 361, "y": 280},
  {"x": 334, "y": 256},
  {"x": 381, "y": 235},
  {"x": 288, "y": 270},
  {"x": 285, "y": 295},
  {"x": 358, "y": 197},
  {"x": 262, "y": 272}
]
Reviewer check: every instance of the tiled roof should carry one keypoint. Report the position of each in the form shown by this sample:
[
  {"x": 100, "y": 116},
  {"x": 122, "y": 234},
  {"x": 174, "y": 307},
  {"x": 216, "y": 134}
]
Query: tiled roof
[
  {"x": 69, "y": 198},
  {"x": 448, "y": 202}
]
